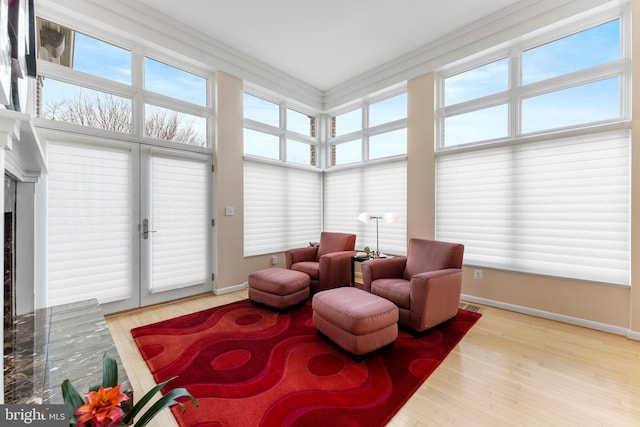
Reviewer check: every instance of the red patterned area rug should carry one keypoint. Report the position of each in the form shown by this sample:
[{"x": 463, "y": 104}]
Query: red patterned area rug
[{"x": 250, "y": 366}]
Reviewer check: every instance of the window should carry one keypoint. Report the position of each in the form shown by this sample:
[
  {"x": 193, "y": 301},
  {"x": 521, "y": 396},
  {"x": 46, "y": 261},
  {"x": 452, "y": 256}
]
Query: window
[
  {"x": 553, "y": 196},
  {"x": 348, "y": 122},
  {"x": 172, "y": 125},
  {"x": 485, "y": 124},
  {"x": 477, "y": 82},
  {"x": 283, "y": 207},
  {"x": 86, "y": 107},
  {"x": 388, "y": 144},
  {"x": 84, "y": 53},
  {"x": 260, "y": 110},
  {"x": 557, "y": 207},
  {"x": 592, "y": 102},
  {"x": 282, "y": 199},
  {"x": 171, "y": 81},
  {"x": 594, "y": 46},
  {"x": 375, "y": 131},
  {"x": 351, "y": 191},
  {"x": 576, "y": 80},
  {"x": 298, "y": 122},
  {"x": 89, "y": 82},
  {"x": 261, "y": 144},
  {"x": 276, "y": 132},
  {"x": 347, "y": 152},
  {"x": 388, "y": 110}
]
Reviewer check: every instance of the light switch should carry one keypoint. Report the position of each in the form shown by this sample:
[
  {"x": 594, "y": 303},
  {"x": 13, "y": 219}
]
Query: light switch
[{"x": 229, "y": 211}]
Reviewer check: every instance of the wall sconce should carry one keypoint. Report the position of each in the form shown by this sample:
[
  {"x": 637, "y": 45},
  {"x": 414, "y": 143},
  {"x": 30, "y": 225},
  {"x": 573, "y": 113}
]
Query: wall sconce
[{"x": 388, "y": 217}]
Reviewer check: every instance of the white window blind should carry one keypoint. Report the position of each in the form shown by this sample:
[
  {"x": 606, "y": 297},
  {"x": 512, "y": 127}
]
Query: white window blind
[
  {"x": 555, "y": 207},
  {"x": 180, "y": 218},
  {"x": 374, "y": 188},
  {"x": 283, "y": 207},
  {"x": 89, "y": 217}
]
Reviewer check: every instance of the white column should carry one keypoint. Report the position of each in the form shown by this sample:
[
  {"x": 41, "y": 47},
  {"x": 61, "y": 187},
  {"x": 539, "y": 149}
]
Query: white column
[{"x": 26, "y": 250}]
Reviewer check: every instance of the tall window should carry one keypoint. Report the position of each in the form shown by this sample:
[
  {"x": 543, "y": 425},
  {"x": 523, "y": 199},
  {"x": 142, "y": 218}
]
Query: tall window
[
  {"x": 552, "y": 194},
  {"x": 89, "y": 82},
  {"x": 282, "y": 186},
  {"x": 374, "y": 131},
  {"x": 377, "y": 130}
]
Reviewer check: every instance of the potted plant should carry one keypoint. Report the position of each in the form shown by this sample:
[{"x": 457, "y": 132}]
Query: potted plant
[{"x": 103, "y": 404}]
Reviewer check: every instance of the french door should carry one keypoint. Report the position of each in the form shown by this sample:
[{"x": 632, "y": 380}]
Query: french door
[
  {"x": 175, "y": 225},
  {"x": 127, "y": 224}
]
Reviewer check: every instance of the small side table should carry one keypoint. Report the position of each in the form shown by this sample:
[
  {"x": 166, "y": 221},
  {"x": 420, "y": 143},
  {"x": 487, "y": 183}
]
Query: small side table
[{"x": 355, "y": 259}]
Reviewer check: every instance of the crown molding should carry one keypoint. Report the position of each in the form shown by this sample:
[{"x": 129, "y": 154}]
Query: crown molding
[
  {"x": 516, "y": 21},
  {"x": 139, "y": 28},
  {"x": 135, "y": 27}
]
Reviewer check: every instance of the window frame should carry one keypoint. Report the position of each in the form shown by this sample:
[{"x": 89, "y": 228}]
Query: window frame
[
  {"x": 136, "y": 92},
  {"x": 281, "y": 131},
  {"x": 516, "y": 92},
  {"x": 366, "y": 132},
  {"x": 516, "y": 139}
]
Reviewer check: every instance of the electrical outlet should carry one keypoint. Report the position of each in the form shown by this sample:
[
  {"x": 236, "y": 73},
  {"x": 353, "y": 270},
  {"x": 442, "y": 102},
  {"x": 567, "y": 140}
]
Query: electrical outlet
[
  {"x": 274, "y": 260},
  {"x": 477, "y": 274}
]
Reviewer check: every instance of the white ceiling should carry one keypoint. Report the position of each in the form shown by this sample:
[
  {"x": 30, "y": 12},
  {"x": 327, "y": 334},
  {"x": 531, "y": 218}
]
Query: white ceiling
[{"x": 328, "y": 42}]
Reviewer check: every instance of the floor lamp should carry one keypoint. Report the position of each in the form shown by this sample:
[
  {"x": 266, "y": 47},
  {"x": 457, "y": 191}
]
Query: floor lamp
[{"x": 388, "y": 217}]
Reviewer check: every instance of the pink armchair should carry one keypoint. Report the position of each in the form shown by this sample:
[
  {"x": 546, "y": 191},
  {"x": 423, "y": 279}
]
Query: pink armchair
[
  {"x": 426, "y": 285},
  {"x": 329, "y": 264}
]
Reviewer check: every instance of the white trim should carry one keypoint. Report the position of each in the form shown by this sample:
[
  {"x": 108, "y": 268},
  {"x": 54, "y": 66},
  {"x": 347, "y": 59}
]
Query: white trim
[
  {"x": 132, "y": 25},
  {"x": 230, "y": 289},
  {"x": 604, "y": 327},
  {"x": 135, "y": 26}
]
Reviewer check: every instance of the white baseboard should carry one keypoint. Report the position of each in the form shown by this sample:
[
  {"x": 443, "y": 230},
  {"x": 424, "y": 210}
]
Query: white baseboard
[
  {"x": 229, "y": 289},
  {"x": 633, "y": 335},
  {"x": 618, "y": 330}
]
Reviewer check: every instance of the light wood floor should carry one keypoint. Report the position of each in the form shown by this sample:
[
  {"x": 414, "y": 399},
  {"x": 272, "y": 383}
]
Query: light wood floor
[{"x": 509, "y": 370}]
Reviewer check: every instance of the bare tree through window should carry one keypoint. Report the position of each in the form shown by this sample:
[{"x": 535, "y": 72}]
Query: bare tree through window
[{"x": 109, "y": 112}]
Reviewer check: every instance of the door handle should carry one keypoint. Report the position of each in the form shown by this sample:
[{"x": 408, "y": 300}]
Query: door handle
[{"x": 145, "y": 229}]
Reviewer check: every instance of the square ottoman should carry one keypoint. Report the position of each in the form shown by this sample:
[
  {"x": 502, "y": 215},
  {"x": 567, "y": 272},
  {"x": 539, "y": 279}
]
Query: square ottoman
[
  {"x": 355, "y": 320},
  {"x": 278, "y": 287}
]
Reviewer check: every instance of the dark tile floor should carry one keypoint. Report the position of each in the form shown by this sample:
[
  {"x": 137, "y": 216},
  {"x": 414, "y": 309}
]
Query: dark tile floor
[{"x": 44, "y": 348}]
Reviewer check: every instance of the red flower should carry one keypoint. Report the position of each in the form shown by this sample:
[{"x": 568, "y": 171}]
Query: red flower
[{"x": 102, "y": 408}]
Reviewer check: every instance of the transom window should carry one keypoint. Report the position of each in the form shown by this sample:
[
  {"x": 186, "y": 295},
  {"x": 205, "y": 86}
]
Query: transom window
[
  {"x": 275, "y": 131},
  {"x": 89, "y": 82},
  {"x": 374, "y": 131},
  {"x": 568, "y": 82}
]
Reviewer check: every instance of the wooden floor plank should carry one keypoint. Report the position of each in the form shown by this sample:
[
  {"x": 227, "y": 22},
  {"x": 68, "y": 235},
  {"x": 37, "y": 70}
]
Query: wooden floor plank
[{"x": 509, "y": 370}]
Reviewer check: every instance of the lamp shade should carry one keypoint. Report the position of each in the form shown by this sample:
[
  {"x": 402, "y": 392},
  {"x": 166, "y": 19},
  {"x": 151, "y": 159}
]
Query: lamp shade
[
  {"x": 390, "y": 217},
  {"x": 365, "y": 217}
]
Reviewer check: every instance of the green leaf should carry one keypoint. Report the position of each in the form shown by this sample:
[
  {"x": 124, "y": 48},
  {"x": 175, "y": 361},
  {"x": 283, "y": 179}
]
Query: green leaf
[
  {"x": 145, "y": 399},
  {"x": 165, "y": 401},
  {"x": 109, "y": 371},
  {"x": 72, "y": 398}
]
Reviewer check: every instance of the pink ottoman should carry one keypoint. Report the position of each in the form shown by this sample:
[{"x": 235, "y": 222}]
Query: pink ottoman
[
  {"x": 355, "y": 320},
  {"x": 278, "y": 287}
]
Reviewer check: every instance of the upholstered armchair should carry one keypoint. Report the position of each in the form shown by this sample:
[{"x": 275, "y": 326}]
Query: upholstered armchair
[
  {"x": 426, "y": 285},
  {"x": 328, "y": 264}
]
